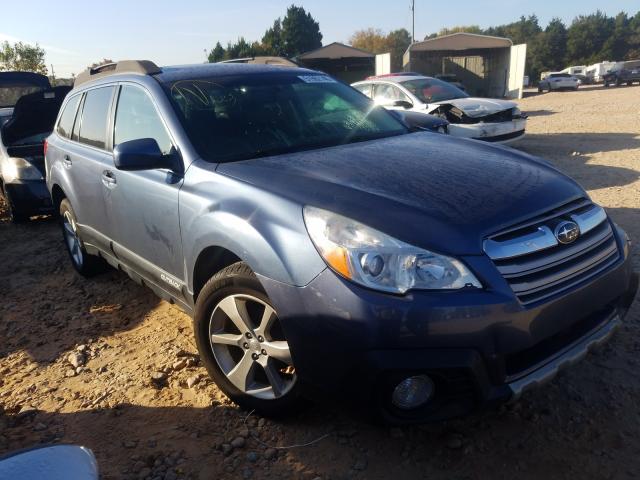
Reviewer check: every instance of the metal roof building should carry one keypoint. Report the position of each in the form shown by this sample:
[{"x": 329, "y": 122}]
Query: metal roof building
[
  {"x": 347, "y": 63},
  {"x": 487, "y": 66}
]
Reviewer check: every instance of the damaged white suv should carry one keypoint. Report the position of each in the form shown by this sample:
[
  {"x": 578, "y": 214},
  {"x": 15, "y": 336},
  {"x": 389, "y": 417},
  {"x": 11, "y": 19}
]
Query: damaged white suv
[{"x": 485, "y": 119}]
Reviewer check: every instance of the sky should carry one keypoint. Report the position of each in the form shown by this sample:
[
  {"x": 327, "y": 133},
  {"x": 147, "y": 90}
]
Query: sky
[{"x": 75, "y": 33}]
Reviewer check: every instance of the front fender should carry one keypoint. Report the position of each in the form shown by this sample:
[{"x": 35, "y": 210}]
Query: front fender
[{"x": 265, "y": 231}]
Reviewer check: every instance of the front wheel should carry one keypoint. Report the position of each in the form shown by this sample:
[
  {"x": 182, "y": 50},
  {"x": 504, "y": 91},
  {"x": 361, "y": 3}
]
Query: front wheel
[
  {"x": 242, "y": 343},
  {"x": 85, "y": 264}
]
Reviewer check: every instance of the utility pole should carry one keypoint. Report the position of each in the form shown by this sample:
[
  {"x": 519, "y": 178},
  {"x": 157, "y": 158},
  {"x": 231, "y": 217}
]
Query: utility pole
[
  {"x": 413, "y": 21},
  {"x": 53, "y": 75}
]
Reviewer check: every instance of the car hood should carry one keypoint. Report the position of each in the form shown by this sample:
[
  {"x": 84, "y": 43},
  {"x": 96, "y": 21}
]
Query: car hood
[
  {"x": 478, "y": 107},
  {"x": 432, "y": 191}
]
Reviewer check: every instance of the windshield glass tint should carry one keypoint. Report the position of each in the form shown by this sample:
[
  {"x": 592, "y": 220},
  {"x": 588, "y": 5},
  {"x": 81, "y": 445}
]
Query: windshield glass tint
[
  {"x": 9, "y": 94},
  {"x": 235, "y": 118},
  {"x": 431, "y": 90}
]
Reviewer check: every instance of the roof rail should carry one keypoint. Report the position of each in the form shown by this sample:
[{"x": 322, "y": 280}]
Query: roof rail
[{"x": 142, "y": 67}]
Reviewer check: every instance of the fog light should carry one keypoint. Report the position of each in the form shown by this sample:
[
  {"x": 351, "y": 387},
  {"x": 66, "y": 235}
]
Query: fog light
[{"x": 413, "y": 392}]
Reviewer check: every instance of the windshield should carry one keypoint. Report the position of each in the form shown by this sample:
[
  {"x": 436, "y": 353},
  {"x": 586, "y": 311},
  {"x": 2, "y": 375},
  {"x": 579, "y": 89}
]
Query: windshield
[
  {"x": 241, "y": 117},
  {"x": 430, "y": 90},
  {"x": 10, "y": 94}
]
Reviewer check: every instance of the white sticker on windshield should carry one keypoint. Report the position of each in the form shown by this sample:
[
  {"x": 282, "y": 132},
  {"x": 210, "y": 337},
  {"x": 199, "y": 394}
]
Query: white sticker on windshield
[{"x": 316, "y": 79}]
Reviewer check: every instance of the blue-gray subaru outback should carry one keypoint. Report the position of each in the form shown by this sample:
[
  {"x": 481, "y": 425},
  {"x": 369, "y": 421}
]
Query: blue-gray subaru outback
[{"x": 322, "y": 247}]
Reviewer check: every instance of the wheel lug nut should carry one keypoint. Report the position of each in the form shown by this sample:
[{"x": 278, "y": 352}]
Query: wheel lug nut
[
  {"x": 264, "y": 352},
  {"x": 245, "y": 345},
  {"x": 254, "y": 356},
  {"x": 248, "y": 335},
  {"x": 260, "y": 339}
]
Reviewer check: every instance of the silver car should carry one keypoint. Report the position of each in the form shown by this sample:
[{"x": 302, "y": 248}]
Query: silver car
[{"x": 559, "y": 81}]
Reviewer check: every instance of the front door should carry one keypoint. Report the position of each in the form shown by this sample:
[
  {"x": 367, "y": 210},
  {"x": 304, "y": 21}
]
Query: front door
[{"x": 145, "y": 202}]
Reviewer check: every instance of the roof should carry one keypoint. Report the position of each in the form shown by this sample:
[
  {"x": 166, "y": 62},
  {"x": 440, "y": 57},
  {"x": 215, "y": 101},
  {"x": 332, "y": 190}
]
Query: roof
[
  {"x": 282, "y": 61},
  {"x": 204, "y": 70},
  {"x": 396, "y": 79},
  {"x": 140, "y": 67},
  {"x": 335, "y": 51},
  {"x": 460, "y": 41}
]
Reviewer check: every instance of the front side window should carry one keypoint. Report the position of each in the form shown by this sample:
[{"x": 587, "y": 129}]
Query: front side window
[
  {"x": 95, "y": 117},
  {"x": 137, "y": 117},
  {"x": 65, "y": 125},
  {"x": 240, "y": 117}
]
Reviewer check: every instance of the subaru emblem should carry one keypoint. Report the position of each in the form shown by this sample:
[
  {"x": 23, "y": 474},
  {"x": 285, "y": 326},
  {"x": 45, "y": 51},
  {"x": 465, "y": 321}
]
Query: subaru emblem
[{"x": 567, "y": 232}]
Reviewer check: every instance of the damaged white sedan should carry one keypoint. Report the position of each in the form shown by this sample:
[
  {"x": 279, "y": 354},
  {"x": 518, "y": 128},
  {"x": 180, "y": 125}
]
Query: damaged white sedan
[{"x": 485, "y": 119}]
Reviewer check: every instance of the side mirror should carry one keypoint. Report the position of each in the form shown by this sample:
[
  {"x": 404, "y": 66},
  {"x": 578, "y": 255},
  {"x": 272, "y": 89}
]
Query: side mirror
[
  {"x": 403, "y": 104},
  {"x": 141, "y": 154}
]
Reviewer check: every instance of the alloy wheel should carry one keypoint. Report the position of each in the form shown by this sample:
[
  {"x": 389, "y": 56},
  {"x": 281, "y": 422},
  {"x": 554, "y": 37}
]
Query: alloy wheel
[
  {"x": 250, "y": 348},
  {"x": 70, "y": 231}
]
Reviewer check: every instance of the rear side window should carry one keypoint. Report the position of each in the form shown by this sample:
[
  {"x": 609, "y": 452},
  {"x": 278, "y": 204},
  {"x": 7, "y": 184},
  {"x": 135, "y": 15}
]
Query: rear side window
[
  {"x": 65, "y": 125},
  {"x": 95, "y": 117},
  {"x": 137, "y": 117}
]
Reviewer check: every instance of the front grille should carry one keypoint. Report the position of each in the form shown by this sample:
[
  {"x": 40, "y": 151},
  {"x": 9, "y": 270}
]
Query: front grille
[{"x": 537, "y": 266}]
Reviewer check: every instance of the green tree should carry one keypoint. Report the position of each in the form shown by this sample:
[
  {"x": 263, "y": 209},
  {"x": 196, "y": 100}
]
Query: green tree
[
  {"x": 300, "y": 32},
  {"x": 633, "y": 42},
  {"x": 550, "y": 49},
  {"x": 240, "y": 49},
  {"x": 617, "y": 45},
  {"x": 216, "y": 54},
  {"x": 22, "y": 57},
  {"x": 397, "y": 43},
  {"x": 586, "y": 38},
  {"x": 460, "y": 29},
  {"x": 272, "y": 39}
]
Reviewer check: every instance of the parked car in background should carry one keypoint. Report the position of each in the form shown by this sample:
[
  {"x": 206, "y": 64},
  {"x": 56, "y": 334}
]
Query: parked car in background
[
  {"x": 52, "y": 462},
  {"x": 623, "y": 73},
  {"x": 485, "y": 119},
  {"x": 558, "y": 81},
  {"x": 324, "y": 249},
  {"x": 29, "y": 110},
  {"x": 452, "y": 79}
]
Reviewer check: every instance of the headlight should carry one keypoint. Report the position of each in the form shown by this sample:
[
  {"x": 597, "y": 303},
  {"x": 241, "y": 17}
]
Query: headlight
[
  {"x": 20, "y": 169},
  {"x": 376, "y": 260}
]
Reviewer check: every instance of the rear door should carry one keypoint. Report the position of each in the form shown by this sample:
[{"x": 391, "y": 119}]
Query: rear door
[
  {"x": 87, "y": 157},
  {"x": 145, "y": 202}
]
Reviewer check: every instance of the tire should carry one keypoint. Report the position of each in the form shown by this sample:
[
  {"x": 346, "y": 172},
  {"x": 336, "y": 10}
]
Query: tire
[
  {"x": 85, "y": 264},
  {"x": 15, "y": 216},
  {"x": 606, "y": 84},
  {"x": 247, "y": 345}
]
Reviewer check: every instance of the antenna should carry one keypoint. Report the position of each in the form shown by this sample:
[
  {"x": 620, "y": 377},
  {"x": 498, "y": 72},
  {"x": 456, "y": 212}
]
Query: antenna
[{"x": 413, "y": 21}]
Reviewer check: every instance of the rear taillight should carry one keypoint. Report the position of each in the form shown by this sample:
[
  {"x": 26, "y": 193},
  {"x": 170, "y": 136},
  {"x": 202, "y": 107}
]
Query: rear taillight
[{"x": 44, "y": 148}]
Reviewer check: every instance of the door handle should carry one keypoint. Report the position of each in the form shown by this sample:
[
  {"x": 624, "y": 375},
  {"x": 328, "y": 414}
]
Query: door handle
[
  {"x": 109, "y": 179},
  {"x": 66, "y": 161}
]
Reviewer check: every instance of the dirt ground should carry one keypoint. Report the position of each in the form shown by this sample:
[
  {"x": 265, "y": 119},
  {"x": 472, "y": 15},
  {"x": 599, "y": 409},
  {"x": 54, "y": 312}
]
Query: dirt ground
[{"x": 585, "y": 424}]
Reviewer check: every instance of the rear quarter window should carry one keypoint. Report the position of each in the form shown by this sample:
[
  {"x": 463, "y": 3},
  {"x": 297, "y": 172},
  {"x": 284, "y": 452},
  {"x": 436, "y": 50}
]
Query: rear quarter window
[
  {"x": 95, "y": 117},
  {"x": 65, "y": 125}
]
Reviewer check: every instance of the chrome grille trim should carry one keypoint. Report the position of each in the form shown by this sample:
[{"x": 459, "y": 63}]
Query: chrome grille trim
[
  {"x": 537, "y": 266},
  {"x": 590, "y": 219},
  {"x": 542, "y": 238}
]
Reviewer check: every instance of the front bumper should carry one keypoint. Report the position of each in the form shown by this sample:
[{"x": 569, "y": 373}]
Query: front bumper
[
  {"x": 29, "y": 197},
  {"x": 499, "y": 132},
  {"x": 479, "y": 347}
]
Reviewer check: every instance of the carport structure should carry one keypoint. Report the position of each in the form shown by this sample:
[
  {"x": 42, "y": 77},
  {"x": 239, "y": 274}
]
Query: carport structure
[
  {"x": 487, "y": 66},
  {"x": 347, "y": 63}
]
